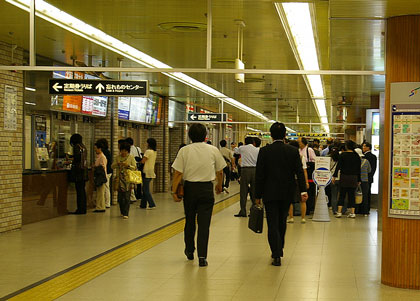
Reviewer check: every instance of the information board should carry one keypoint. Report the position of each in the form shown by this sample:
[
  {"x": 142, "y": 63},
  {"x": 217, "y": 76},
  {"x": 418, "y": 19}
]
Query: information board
[{"x": 404, "y": 200}]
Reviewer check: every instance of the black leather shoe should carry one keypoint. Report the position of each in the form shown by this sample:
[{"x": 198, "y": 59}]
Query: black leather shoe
[
  {"x": 189, "y": 255},
  {"x": 77, "y": 212},
  {"x": 202, "y": 262},
  {"x": 276, "y": 261},
  {"x": 98, "y": 211},
  {"x": 240, "y": 215}
]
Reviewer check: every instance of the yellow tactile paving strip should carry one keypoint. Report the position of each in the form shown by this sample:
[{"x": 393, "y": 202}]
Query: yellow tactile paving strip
[{"x": 64, "y": 283}]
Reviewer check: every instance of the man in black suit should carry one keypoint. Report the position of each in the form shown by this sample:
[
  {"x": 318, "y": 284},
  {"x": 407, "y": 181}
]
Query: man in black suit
[
  {"x": 277, "y": 165},
  {"x": 367, "y": 147}
]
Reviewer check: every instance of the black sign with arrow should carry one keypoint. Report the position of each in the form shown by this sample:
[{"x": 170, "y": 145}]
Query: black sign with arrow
[
  {"x": 98, "y": 87},
  {"x": 206, "y": 117}
]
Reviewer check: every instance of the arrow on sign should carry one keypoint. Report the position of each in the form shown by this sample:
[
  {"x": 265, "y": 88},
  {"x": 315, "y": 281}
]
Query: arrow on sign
[
  {"x": 193, "y": 117},
  {"x": 56, "y": 87},
  {"x": 100, "y": 87}
]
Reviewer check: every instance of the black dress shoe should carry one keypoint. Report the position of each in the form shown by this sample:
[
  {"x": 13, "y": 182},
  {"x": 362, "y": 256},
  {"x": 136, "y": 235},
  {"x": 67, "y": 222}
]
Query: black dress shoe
[
  {"x": 276, "y": 261},
  {"x": 190, "y": 255},
  {"x": 98, "y": 211},
  {"x": 202, "y": 262},
  {"x": 240, "y": 215},
  {"x": 77, "y": 212}
]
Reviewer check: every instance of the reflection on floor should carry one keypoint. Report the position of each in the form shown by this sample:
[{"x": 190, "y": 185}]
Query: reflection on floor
[
  {"x": 323, "y": 261},
  {"x": 42, "y": 249}
]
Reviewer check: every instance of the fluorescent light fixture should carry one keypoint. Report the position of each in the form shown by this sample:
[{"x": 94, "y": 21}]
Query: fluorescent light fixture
[
  {"x": 66, "y": 21},
  {"x": 297, "y": 21},
  {"x": 30, "y": 89},
  {"x": 30, "y": 103},
  {"x": 252, "y": 129},
  {"x": 239, "y": 77}
]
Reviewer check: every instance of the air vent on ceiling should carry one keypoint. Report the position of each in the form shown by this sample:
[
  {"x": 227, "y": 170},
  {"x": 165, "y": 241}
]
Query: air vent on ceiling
[
  {"x": 249, "y": 79},
  {"x": 183, "y": 26}
]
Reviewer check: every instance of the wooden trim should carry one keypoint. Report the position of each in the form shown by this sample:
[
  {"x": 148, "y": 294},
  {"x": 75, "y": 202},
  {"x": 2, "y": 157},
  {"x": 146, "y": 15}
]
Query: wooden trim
[{"x": 401, "y": 237}]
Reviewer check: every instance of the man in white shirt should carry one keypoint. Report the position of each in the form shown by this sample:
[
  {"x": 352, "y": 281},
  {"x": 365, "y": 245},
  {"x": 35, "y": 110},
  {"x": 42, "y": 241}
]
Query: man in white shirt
[
  {"x": 135, "y": 151},
  {"x": 230, "y": 161},
  {"x": 198, "y": 164},
  {"x": 249, "y": 156}
]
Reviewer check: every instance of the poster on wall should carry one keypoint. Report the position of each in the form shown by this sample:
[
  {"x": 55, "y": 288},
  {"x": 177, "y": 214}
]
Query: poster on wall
[
  {"x": 40, "y": 131},
  {"x": 10, "y": 108},
  {"x": 72, "y": 103},
  {"x": 138, "y": 107},
  {"x": 87, "y": 105},
  {"x": 100, "y": 104},
  {"x": 405, "y": 151},
  {"x": 123, "y": 108}
]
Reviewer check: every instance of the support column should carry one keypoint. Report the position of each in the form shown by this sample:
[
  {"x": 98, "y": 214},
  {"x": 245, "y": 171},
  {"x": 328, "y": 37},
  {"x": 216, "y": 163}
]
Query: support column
[{"x": 401, "y": 237}]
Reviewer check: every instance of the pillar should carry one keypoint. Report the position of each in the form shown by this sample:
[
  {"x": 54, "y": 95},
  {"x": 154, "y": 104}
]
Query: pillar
[{"x": 401, "y": 237}]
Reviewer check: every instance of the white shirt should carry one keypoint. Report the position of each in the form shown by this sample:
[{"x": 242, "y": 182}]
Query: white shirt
[
  {"x": 149, "y": 165},
  {"x": 311, "y": 153},
  {"x": 303, "y": 158},
  {"x": 249, "y": 155},
  {"x": 199, "y": 162},
  {"x": 135, "y": 151}
]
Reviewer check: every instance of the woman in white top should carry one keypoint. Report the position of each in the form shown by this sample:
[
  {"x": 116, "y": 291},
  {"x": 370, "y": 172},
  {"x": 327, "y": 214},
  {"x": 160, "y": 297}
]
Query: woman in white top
[
  {"x": 290, "y": 219},
  {"x": 149, "y": 160}
]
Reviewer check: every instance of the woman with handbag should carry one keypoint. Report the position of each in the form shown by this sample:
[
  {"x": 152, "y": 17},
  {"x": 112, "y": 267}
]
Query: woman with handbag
[
  {"x": 79, "y": 171},
  {"x": 148, "y": 160},
  {"x": 349, "y": 167},
  {"x": 100, "y": 177},
  {"x": 364, "y": 176},
  {"x": 123, "y": 162}
]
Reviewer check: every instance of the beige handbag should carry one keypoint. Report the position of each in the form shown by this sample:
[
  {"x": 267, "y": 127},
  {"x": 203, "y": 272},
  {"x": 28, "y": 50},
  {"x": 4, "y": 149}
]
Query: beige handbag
[
  {"x": 359, "y": 195},
  {"x": 133, "y": 176}
]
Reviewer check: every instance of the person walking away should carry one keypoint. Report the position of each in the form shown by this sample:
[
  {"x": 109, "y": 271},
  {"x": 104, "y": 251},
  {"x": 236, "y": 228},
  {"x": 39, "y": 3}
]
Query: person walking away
[
  {"x": 365, "y": 169},
  {"x": 349, "y": 164},
  {"x": 249, "y": 155},
  {"x": 297, "y": 199},
  {"x": 334, "y": 187},
  {"x": 99, "y": 172},
  {"x": 310, "y": 156},
  {"x": 108, "y": 156},
  {"x": 277, "y": 166},
  {"x": 373, "y": 161},
  {"x": 315, "y": 147},
  {"x": 135, "y": 151},
  {"x": 198, "y": 174},
  {"x": 234, "y": 173},
  {"x": 149, "y": 160},
  {"x": 79, "y": 171},
  {"x": 121, "y": 163},
  {"x": 326, "y": 150},
  {"x": 230, "y": 164}
]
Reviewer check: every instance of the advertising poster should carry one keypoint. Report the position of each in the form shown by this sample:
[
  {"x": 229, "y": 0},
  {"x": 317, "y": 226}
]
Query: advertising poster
[
  {"x": 10, "y": 108},
  {"x": 123, "y": 108},
  {"x": 87, "y": 105},
  {"x": 72, "y": 103},
  {"x": 100, "y": 104},
  {"x": 138, "y": 107}
]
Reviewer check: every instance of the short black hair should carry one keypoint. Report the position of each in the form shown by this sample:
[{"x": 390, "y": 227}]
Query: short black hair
[
  {"x": 304, "y": 140},
  {"x": 368, "y": 145},
  {"x": 316, "y": 140},
  {"x": 232, "y": 143},
  {"x": 257, "y": 141},
  {"x": 152, "y": 143},
  {"x": 181, "y": 145},
  {"x": 278, "y": 131},
  {"x": 330, "y": 141},
  {"x": 240, "y": 144},
  {"x": 223, "y": 143},
  {"x": 104, "y": 143},
  {"x": 249, "y": 140},
  {"x": 294, "y": 143},
  {"x": 125, "y": 146},
  {"x": 130, "y": 141},
  {"x": 99, "y": 144},
  {"x": 350, "y": 145},
  {"x": 209, "y": 142},
  {"x": 197, "y": 132},
  {"x": 76, "y": 139},
  {"x": 121, "y": 141}
]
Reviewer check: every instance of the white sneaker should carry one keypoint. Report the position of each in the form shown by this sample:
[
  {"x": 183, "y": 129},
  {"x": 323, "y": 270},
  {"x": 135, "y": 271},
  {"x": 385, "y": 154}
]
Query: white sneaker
[
  {"x": 151, "y": 208},
  {"x": 303, "y": 221},
  {"x": 351, "y": 215},
  {"x": 291, "y": 220},
  {"x": 338, "y": 215},
  {"x": 125, "y": 217},
  {"x": 225, "y": 190}
]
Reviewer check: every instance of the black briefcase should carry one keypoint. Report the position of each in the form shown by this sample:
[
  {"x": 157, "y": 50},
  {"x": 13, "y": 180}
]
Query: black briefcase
[{"x": 256, "y": 219}]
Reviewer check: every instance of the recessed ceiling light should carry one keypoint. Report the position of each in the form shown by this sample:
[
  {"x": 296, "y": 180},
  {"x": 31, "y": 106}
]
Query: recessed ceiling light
[{"x": 30, "y": 89}]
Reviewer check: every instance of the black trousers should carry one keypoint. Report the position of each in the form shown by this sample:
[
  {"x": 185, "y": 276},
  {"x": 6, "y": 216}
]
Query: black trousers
[
  {"x": 81, "y": 196},
  {"x": 277, "y": 212},
  {"x": 310, "y": 203},
  {"x": 198, "y": 205},
  {"x": 124, "y": 202},
  {"x": 226, "y": 171},
  {"x": 364, "y": 206},
  {"x": 351, "y": 195}
]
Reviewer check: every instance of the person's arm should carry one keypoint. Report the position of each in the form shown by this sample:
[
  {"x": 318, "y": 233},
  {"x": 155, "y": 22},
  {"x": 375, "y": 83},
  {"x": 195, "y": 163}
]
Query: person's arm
[
  {"x": 374, "y": 163},
  {"x": 312, "y": 155},
  {"x": 144, "y": 159},
  {"x": 132, "y": 164},
  {"x": 298, "y": 170},
  {"x": 220, "y": 164},
  {"x": 260, "y": 175},
  {"x": 177, "y": 178},
  {"x": 359, "y": 170}
]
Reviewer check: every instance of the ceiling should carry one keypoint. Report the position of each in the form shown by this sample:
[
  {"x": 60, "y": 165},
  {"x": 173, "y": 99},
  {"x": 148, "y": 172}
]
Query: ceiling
[{"x": 351, "y": 36}]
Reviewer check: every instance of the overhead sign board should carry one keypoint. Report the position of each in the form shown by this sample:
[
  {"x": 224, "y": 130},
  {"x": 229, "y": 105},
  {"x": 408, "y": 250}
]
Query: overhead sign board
[
  {"x": 207, "y": 117},
  {"x": 98, "y": 87}
]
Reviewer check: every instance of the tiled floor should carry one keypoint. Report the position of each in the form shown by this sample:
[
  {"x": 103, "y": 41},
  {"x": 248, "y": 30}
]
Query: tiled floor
[
  {"x": 339, "y": 260},
  {"x": 42, "y": 249}
]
